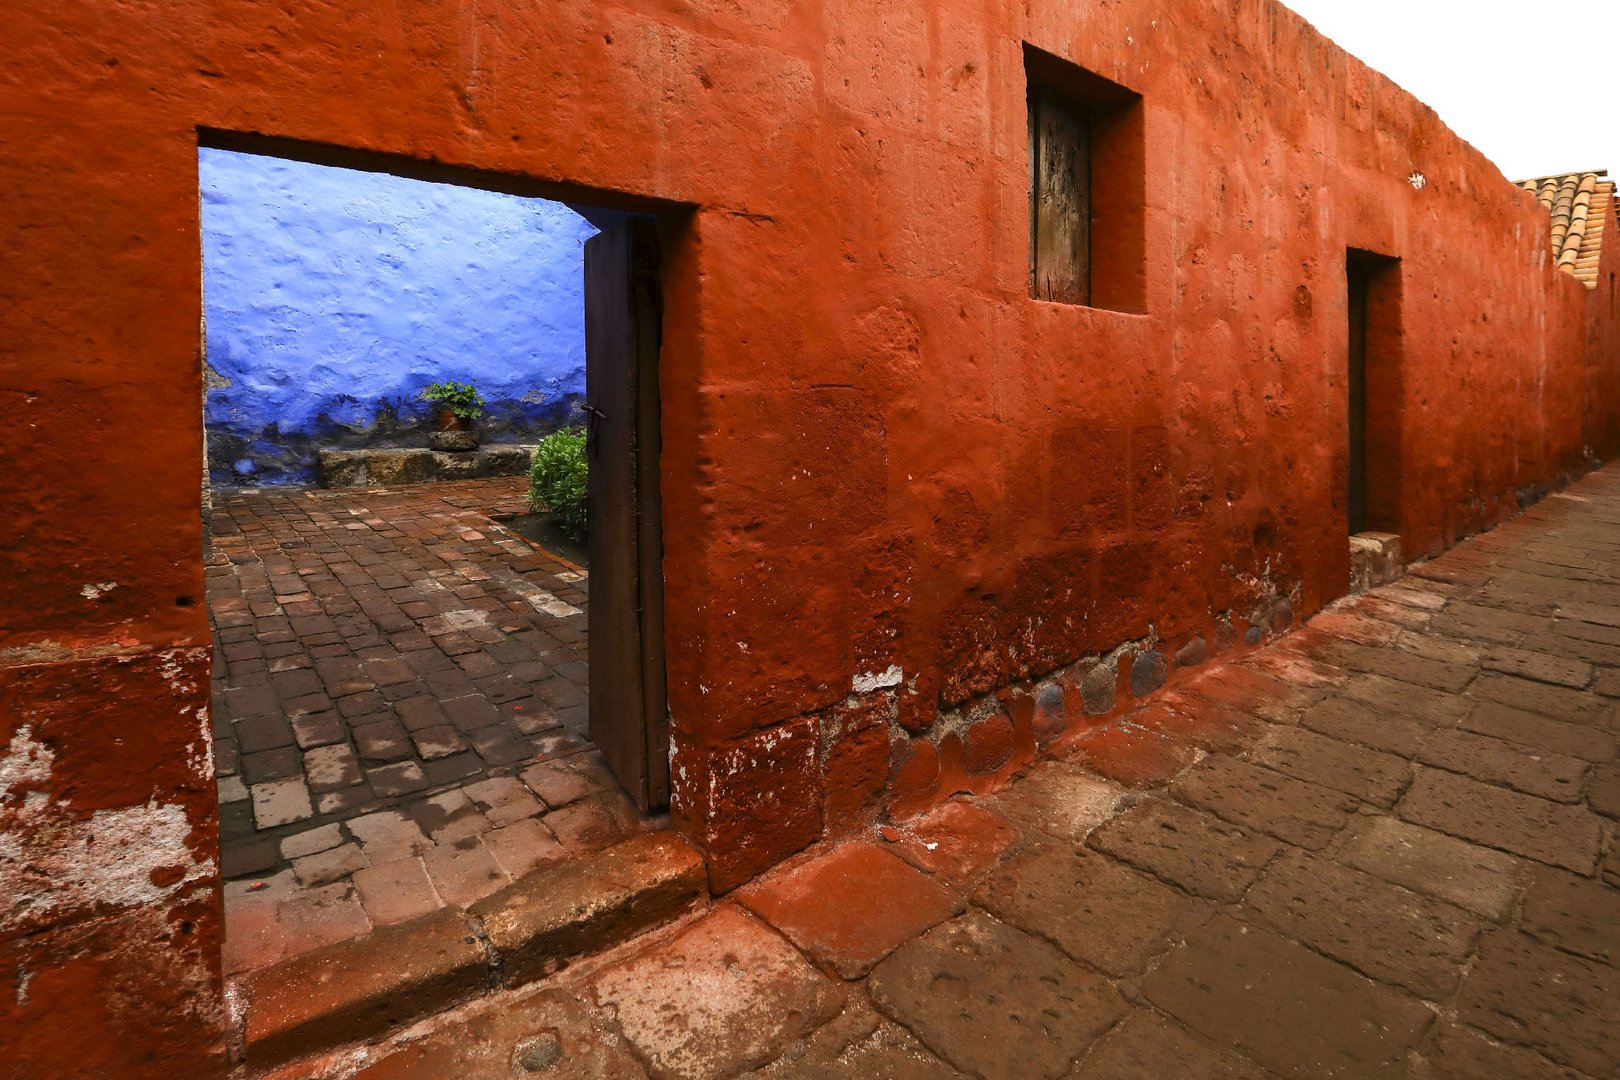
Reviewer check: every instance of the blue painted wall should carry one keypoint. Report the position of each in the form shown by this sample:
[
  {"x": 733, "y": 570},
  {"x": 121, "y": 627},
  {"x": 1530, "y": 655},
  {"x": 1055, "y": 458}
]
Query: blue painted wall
[{"x": 333, "y": 296}]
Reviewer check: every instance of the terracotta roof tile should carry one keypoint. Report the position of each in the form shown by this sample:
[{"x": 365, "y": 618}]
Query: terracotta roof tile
[{"x": 1578, "y": 203}]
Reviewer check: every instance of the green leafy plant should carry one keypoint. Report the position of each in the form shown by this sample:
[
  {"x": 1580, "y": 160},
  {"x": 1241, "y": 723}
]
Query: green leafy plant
[
  {"x": 462, "y": 399},
  {"x": 557, "y": 479}
]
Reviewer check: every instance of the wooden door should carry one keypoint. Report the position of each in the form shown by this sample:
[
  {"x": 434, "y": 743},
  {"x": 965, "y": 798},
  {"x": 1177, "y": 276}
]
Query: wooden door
[{"x": 628, "y": 712}]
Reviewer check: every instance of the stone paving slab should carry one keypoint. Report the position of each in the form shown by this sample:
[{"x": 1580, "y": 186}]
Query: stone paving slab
[
  {"x": 1289, "y": 1009},
  {"x": 523, "y": 1038},
  {"x": 1455, "y": 1052},
  {"x": 1292, "y": 810},
  {"x": 1334, "y": 763},
  {"x": 1477, "y": 879},
  {"x": 995, "y": 1001},
  {"x": 1545, "y": 774},
  {"x": 1387, "y": 858},
  {"x": 1196, "y": 852},
  {"x": 1533, "y": 995},
  {"x": 1567, "y": 836},
  {"x": 745, "y": 995},
  {"x": 860, "y": 1042},
  {"x": 1097, "y": 911},
  {"x": 850, "y": 909},
  {"x": 1575, "y": 914},
  {"x": 1383, "y": 931},
  {"x": 1146, "y": 1044}
]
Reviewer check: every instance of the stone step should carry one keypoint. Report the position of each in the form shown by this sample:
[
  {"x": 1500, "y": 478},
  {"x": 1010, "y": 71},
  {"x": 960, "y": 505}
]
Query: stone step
[{"x": 359, "y": 988}]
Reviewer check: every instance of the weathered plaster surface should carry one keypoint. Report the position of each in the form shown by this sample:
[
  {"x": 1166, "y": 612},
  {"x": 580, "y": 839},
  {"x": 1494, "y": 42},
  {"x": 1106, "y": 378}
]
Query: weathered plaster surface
[
  {"x": 878, "y": 450},
  {"x": 109, "y": 865},
  {"x": 332, "y": 296}
]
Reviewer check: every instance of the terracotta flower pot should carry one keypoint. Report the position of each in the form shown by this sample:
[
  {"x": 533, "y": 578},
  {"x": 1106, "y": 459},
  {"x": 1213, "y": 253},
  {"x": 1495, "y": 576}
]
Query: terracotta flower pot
[{"x": 449, "y": 421}]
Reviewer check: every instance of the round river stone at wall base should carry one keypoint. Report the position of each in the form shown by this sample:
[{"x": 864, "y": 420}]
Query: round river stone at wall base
[{"x": 1148, "y": 671}]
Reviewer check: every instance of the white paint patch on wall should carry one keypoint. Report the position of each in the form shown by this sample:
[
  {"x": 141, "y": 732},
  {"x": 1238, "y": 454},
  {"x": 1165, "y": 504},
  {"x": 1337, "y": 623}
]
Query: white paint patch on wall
[
  {"x": 54, "y": 867},
  {"x": 879, "y": 680},
  {"x": 27, "y": 761},
  {"x": 57, "y": 865}
]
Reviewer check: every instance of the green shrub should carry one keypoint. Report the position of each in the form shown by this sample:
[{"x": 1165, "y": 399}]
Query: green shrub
[{"x": 557, "y": 479}]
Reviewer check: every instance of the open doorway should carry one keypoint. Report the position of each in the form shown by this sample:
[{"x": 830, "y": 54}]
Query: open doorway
[
  {"x": 414, "y": 705},
  {"x": 1375, "y": 392},
  {"x": 1375, "y": 416}
]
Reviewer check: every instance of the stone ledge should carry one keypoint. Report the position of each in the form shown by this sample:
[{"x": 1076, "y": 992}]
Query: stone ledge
[
  {"x": 538, "y": 924},
  {"x": 357, "y": 989},
  {"x": 360, "y": 987},
  {"x": 417, "y": 465}
]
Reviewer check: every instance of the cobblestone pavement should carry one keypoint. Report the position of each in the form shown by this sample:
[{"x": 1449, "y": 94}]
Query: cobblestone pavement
[
  {"x": 1382, "y": 846},
  {"x": 399, "y": 709}
]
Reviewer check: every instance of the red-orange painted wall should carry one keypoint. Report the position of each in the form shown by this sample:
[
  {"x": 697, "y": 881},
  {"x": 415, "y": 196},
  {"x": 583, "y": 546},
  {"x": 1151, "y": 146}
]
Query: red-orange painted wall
[{"x": 879, "y": 451}]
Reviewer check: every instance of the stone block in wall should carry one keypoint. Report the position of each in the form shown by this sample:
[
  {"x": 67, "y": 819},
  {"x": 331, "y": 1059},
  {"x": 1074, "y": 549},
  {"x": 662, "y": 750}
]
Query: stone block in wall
[
  {"x": 974, "y": 658},
  {"x": 1090, "y": 480},
  {"x": 465, "y": 465},
  {"x": 856, "y": 771},
  {"x": 1148, "y": 672},
  {"x": 391, "y": 467},
  {"x": 342, "y": 468},
  {"x": 133, "y": 995},
  {"x": 1049, "y": 613},
  {"x": 855, "y": 758},
  {"x": 507, "y": 460},
  {"x": 453, "y": 441},
  {"x": 1193, "y": 653},
  {"x": 988, "y": 744},
  {"x": 914, "y": 775},
  {"x": 831, "y": 440},
  {"x": 758, "y": 800},
  {"x": 1051, "y": 715},
  {"x": 1375, "y": 559}
]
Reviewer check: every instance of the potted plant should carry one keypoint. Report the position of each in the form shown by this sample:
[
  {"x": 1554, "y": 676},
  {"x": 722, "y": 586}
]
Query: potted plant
[{"x": 459, "y": 404}]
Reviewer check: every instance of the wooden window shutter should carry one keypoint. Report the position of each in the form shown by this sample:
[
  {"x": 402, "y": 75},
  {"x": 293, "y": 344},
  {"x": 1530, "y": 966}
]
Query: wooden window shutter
[{"x": 1060, "y": 200}]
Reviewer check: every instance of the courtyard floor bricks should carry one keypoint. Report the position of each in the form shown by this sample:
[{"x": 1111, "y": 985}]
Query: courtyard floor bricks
[
  {"x": 1384, "y": 845},
  {"x": 399, "y": 710}
]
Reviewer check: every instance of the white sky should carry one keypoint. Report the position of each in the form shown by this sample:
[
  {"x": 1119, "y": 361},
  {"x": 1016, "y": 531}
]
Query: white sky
[{"x": 1527, "y": 82}]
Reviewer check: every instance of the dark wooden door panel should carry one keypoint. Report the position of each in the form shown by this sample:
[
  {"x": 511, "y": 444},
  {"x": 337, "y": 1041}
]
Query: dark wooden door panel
[{"x": 628, "y": 715}]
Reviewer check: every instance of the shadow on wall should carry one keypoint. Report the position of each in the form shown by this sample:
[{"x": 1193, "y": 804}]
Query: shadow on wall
[{"x": 332, "y": 296}]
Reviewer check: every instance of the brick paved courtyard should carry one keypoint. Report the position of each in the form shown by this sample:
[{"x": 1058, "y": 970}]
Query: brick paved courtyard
[
  {"x": 1383, "y": 846},
  {"x": 399, "y": 709}
]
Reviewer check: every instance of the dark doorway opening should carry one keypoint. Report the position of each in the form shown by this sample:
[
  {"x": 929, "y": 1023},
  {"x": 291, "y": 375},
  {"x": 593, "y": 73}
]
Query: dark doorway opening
[{"x": 1375, "y": 394}]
